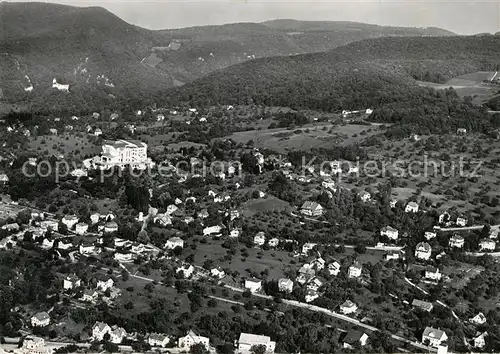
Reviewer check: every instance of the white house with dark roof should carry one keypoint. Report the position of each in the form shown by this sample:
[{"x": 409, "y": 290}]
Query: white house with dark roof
[
  {"x": 411, "y": 207},
  {"x": 457, "y": 241},
  {"x": 71, "y": 282},
  {"x": 110, "y": 227},
  {"x": 190, "y": 339},
  {"x": 158, "y": 340},
  {"x": 461, "y": 222},
  {"x": 364, "y": 196},
  {"x": 429, "y": 235},
  {"x": 334, "y": 268},
  {"x": 174, "y": 242},
  {"x": 390, "y": 232},
  {"x": 480, "y": 340},
  {"x": 125, "y": 153},
  {"x": 81, "y": 228},
  {"x": 253, "y": 284},
  {"x": 99, "y": 330},
  {"x": 311, "y": 209},
  {"x": 70, "y": 221},
  {"x": 307, "y": 247},
  {"x": 354, "y": 338},
  {"x": 433, "y": 273},
  {"x": 285, "y": 285},
  {"x": 259, "y": 239},
  {"x": 435, "y": 337},
  {"x": 187, "y": 269},
  {"x": 355, "y": 270},
  {"x": 479, "y": 319},
  {"x": 40, "y": 319},
  {"x": 423, "y": 251},
  {"x": 487, "y": 244},
  {"x": 311, "y": 295},
  {"x": 348, "y": 307}
]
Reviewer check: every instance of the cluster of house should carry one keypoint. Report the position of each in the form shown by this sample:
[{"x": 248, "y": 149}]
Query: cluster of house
[{"x": 245, "y": 344}]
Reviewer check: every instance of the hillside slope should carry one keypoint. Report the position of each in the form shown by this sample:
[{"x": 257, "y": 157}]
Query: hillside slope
[
  {"x": 346, "y": 77},
  {"x": 105, "y": 60},
  {"x": 377, "y": 73}
]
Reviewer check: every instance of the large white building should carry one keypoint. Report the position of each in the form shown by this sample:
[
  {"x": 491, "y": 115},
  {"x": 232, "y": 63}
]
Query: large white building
[
  {"x": 247, "y": 342},
  {"x": 123, "y": 153}
]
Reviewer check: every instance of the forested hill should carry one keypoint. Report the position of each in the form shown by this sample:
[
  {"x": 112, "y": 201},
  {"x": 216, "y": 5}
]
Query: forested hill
[
  {"x": 371, "y": 73},
  {"x": 107, "y": 61},
  {"x": 366, "y": 73}
]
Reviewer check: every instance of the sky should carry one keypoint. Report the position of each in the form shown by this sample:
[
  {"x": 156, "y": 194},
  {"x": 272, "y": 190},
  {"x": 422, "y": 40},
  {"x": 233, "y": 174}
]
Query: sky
[{"x": 459, "y": 16}]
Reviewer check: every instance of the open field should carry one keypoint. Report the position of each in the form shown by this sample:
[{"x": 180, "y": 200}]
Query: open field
[
  {"x": 321, "y": 135},
  {"x": 65, "y": 143},
  {"x": 470, "y": 85},
  {"x": 266, "y": 205}
]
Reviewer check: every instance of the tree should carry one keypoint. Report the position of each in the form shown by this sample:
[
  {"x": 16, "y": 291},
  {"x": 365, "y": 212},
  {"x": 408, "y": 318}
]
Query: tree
[
  {"x": 258, "y": 349},
  {"x": 198, "y": 348}
]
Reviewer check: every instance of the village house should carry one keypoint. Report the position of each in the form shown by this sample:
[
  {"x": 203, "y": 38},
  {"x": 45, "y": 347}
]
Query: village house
[
  {"x": 158, "y": 340},
  {"x": 123, "y": 257},
  {"x": 191, "y": 338},
  {"x": 364, "y": 196},
  {"x": 94, "y": 218},
  {"x": 138, "y": 248},
  {"x": 422, "y": 305},
  {"x": 334, "y": 268},
  {"x": 188, "y": 220},
  {"x": 71, "y": 282},
  {"x": 70, "y": 221},
  {"x": 444, "y": 217},
  {"x": 97, "y": 132},
  {"x": 174, "y": 242},
  {"x": 311, "y": 209},
  {"x": 47, "y": 244},
  {"x": 411, "y": 207},
  {"x": 217, "y": 273},
  {"x": 432, "y": 273},
  {"x": 355, "y": 270},
  {"x": 354, "y": 339},
  {"x": 479, "y": 319},
  {"x": 33, "y": 345},
  {"x": 391, "y": 256},
  {"x": 259, "y": 239},
  {"x": 389, "y": 232},
  {"x": 40, "y": 319},
  {"x": 273, "y": 242},
  {"x": 435, "y": 337},
  {"x": 393, "y": 203},
  {"x": 461, "y": 222},
  {"x": 311, "y": 295},
  {"x": 49, "y": 224},
  {"x": 457, "y": 241},
  {"x": 81, "y": 228},
  {"x": 234, "y": 214},
  {"x": 285, "y": 285},
  {"x": 210, "y": 230},
  {"x": 306, "y": 272},
  {"x": 234, "y": 233},
  {"x": 171, "y": 209},
  {"x": 314, "y": 283},
  {"x": 87, "y": 248},
  {"x": 248, "y": 341},
  {"x": 253, "y": 284},
  {"x": 329, "y": 183},
  {"x": 318, "y": 263},
  {"x": 110, "y": 227},
  {"x": 429, "y": 235},
  {"x": 105, "y": 284},
  {"x": 187, "y": 270},
  {"x": 99, "y": 330},
  {"x": 461, "y": 131},
  {"x": 163, "y": 220},
  {"x": 117, "y": 334},
  {"x": 480, "y": 340},
  {"x": 90, "y": 296},
  {"x": 423, "y": 251},
  {"x": 348, "y": 307},
  {"x": 487, "y": 244},
  {"x": 307, "y": 247}
]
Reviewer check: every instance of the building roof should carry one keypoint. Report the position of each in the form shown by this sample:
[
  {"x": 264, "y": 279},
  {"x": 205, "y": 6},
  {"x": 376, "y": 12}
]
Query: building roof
[
  {"x": 422, "y": 304},
  {"x": 311, "y": 205},
  {"x": 253, "y": 339},
  {"x": 42, "y": 316},
  {"x": 348, "y": 303},
  {"x": 121, "y": 144},
  {"x": 434, "y": 333},
  {"x": 353, "y": 336},
  {"x": 423, "y": 246}
]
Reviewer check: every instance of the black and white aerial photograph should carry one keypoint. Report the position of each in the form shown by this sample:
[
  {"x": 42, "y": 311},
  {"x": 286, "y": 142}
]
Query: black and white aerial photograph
[{"x": 249, "y": 176}]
